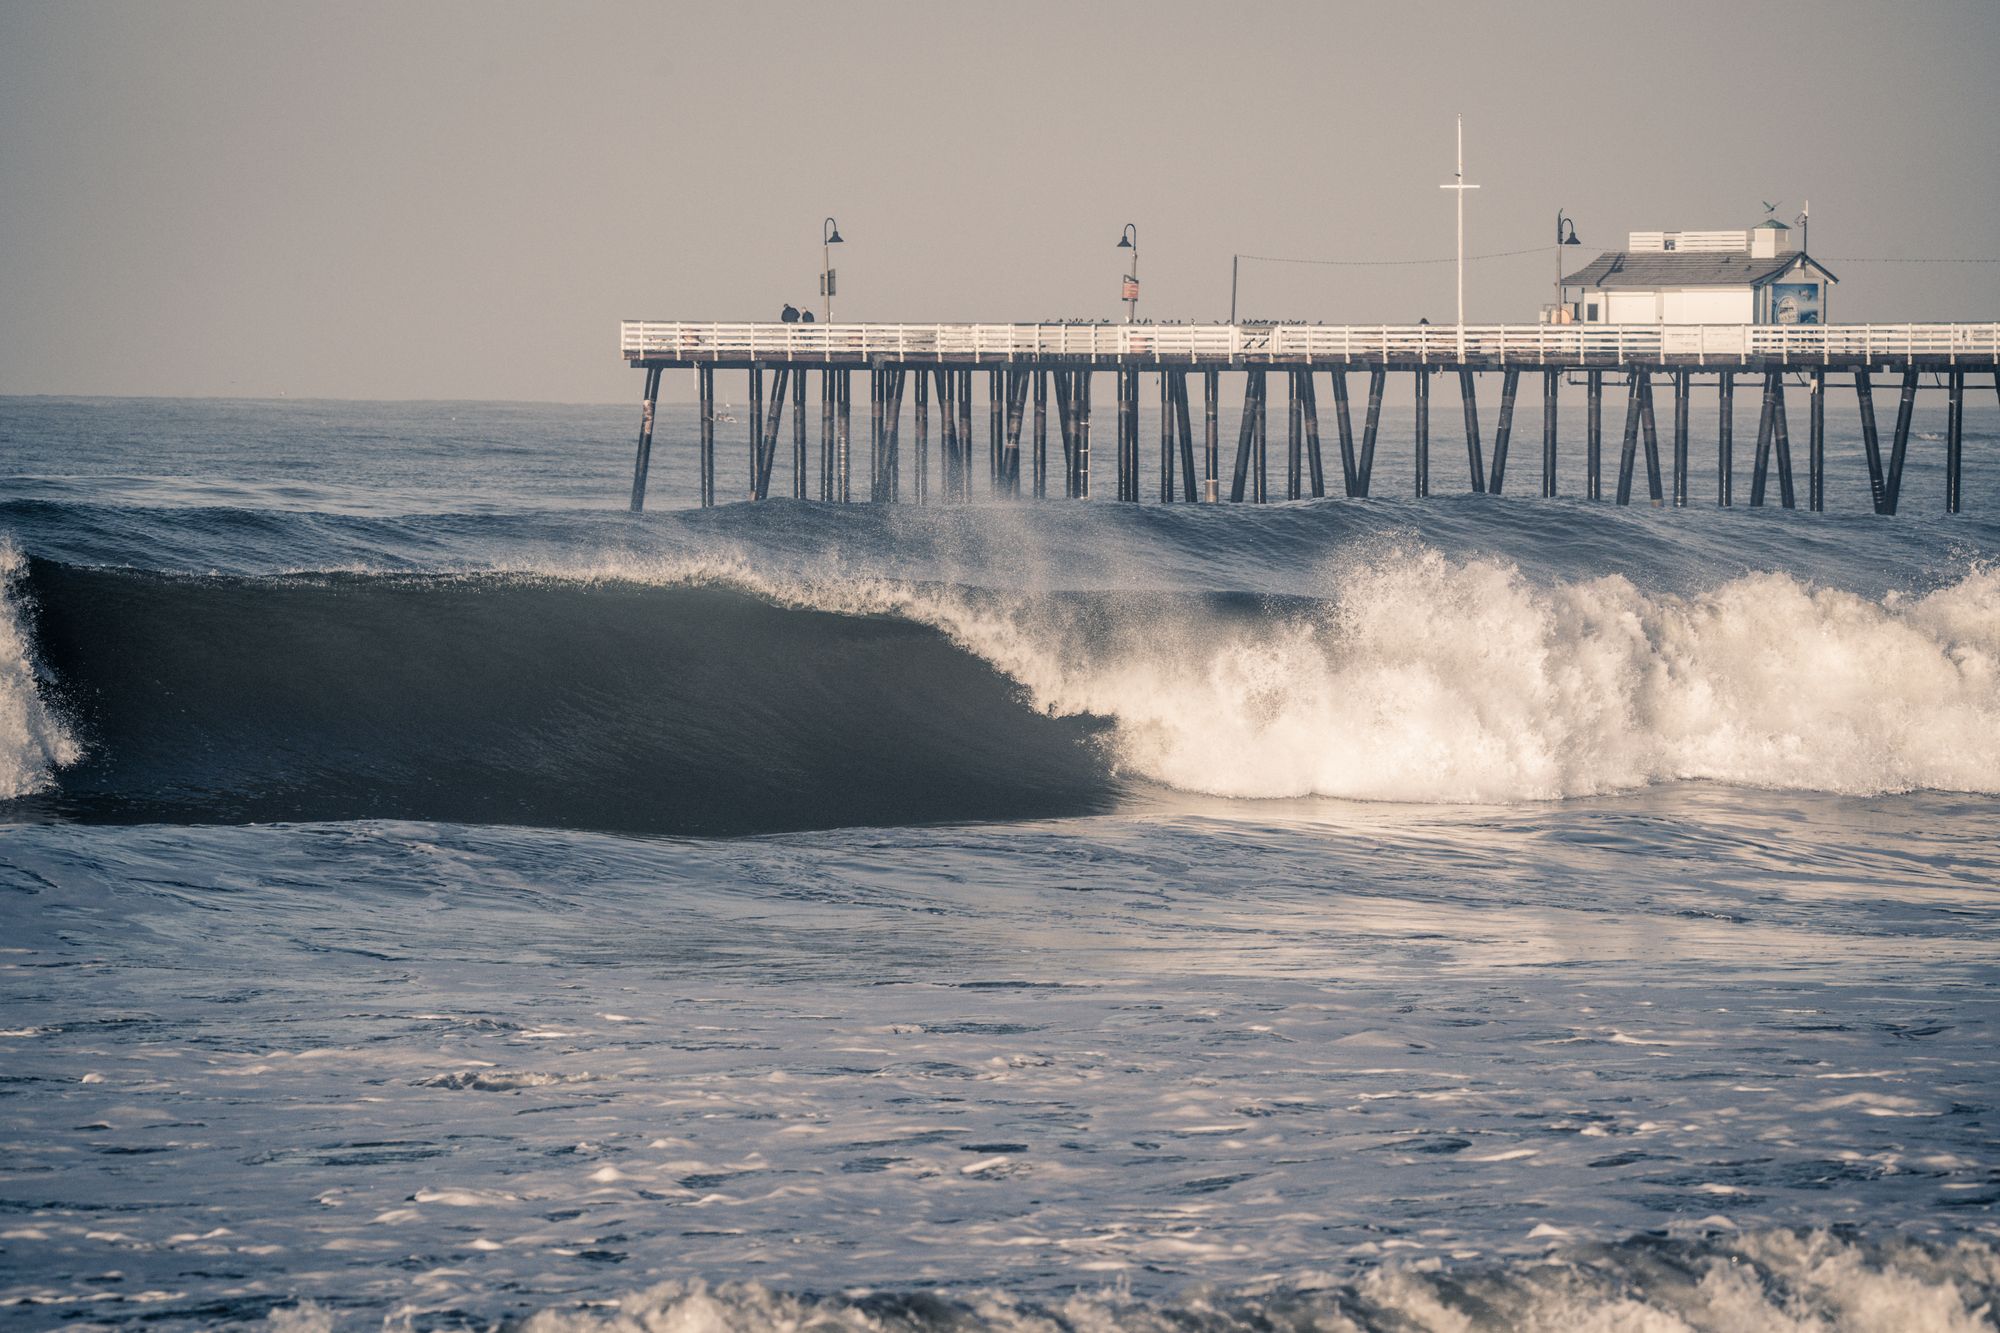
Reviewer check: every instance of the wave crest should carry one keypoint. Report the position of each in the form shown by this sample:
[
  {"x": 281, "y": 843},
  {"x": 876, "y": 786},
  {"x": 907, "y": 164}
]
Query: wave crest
[{"x": 34, "y": 741}]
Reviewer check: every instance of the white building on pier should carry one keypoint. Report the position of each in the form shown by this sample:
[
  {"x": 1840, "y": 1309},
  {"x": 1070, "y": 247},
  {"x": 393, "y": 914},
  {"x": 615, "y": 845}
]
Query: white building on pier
[{"x": 1754, "y": 276}]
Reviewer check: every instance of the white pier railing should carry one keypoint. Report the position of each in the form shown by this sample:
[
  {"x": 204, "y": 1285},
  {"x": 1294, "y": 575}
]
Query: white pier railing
[{"x": 1523, "y": 344}]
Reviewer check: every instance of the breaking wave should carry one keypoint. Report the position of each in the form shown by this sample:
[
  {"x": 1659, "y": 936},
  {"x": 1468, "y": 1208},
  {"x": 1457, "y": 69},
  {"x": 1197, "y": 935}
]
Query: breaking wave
[
  {"x": 1772, "y": 1281},
  {"x": 34, "y": 742},
  {"x": 700, "y": 697}
]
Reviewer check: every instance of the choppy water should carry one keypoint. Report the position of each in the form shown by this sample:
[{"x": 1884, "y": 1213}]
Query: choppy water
[{"x": 433, "y": 896}]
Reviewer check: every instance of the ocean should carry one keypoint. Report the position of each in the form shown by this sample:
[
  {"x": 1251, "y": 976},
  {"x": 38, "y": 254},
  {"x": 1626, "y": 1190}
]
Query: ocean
[{"x": 432, "y": 897}]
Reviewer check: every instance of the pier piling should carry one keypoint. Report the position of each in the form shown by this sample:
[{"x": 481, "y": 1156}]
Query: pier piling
[
  {"x": 643, "y": 461},
  {"x": 1211, "y": 436},
  {"x": 1423, "y": 434},
  {"x": 1475, "y": 464},
  {"x": 1725, "y": 442},
  {"x": 1593, "y": 434},
  {"x": 1503, "y": 429},
  {"x": 1551, "y": 383},
  {"x": 1682, "y": 389},
  {"x": 1954, "y": 431}
]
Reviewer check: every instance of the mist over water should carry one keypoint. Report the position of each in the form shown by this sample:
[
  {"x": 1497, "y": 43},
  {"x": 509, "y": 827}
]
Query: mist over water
[{"x": 1479, "y": 913}]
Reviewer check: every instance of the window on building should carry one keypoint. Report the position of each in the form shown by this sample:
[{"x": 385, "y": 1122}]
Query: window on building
[{"x": 1590, "y": 315}]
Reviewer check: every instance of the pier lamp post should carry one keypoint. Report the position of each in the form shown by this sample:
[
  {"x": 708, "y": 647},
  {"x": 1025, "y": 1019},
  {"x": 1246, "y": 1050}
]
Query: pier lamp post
[
  {"x": 829, "y": 236},
  {"x": 1565, "y": 235},
  {"x": 1130, "y": 241}
]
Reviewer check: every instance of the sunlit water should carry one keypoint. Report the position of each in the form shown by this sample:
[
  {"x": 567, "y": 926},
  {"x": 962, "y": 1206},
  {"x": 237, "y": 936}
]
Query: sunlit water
[{"x": 435, "y": 896}]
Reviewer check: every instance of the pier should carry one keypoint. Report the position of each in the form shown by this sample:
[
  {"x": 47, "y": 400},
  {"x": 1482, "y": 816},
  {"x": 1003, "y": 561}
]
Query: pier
[{"x": 1031, "y": 374}]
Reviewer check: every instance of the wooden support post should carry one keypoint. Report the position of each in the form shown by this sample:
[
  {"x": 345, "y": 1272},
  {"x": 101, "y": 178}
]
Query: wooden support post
[
  {"x": 842, "y": 435},
  {"x": 922, "y": 479},
  {"x": 964, "y": 401},
  {"x": 1551, "y": 387},
  {"x": 1041, "y": 445},
  {"x": 1083, "y": 378},
  {"x": 1475, "y": 462},
  {"x": 799, "y": 434},
  {"x": 1871, "y": 443},
  {"x": 1187, "y": 433},
  {"x": 1593, "y": 434},
  {"x": 1652, "y": 437},
  {"x": 756, "y": 424},
  {"x": 1350, "y": 478},
  {"x": 1245, "y": 438},
  {"x": 1629, "y": 448},
  {"x": 1260, "y": 463},
  {"x": 947, "y": 383},
  {"x": 1682, "y": 388},
  {"x": 643, "y": 462},
  {"x": 1781, "y": 440},
  {"x": 1065, "y": 430},
  {"x": 1954, "y": 432},
  {"x": 1211, "y": 390},
  {"x": 1371, "y": 426},
  {"x": 1900, "y": 443},
  {"x": 1761, "y": 472},
  {"x": 1315, "y": 466},
  {"x": 1423, "y": 440},
  {"x": 1816, "y": 445},
  {"x": 1295, "y": 437},
  {"x": 829, "y": 393},
  {"x": 1010, "y": 449},
  {"x": 877, "y": 444},
  {"x": 1128, "y": 409},
  {"x": 1725, "y": 441},
  {"x": 705, "y": 386},
  {"x": 1503, "y": 429},
  {"x": 766, "y": 456},
  {"x": 895, "y": 450},
  {"x": 995, "y": 429}
]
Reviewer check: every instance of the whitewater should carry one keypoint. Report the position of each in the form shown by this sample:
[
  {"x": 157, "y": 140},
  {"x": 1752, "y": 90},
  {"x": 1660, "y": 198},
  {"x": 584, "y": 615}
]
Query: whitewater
[{"x": 433, "y": 897}]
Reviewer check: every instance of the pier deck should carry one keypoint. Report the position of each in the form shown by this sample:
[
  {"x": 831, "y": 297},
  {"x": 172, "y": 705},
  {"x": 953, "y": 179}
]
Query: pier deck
[
  {"x": 1026, "y": 362},
  {"x": 1241, "y": 346}
]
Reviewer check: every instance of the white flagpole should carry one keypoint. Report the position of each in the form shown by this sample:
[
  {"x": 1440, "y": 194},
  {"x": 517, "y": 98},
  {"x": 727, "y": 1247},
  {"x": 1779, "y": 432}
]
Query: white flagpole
[{"x": 1458, "y": 184}]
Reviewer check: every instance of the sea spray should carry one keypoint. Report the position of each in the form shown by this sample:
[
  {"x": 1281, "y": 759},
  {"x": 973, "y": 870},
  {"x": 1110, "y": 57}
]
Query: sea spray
[
  {"x": 1415, "y": 677},
  {"x": 33, "y": 739}
]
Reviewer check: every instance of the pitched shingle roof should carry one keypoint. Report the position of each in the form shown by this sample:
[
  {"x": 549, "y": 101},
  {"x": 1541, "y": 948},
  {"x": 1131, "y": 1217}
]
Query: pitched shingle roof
[{"x": 1653, "y": 270}]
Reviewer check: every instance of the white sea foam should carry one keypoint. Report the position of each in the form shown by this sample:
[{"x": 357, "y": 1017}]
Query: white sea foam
[
  {"x": 34, "y": 742},
  {"x": 1781, "y": 1281},
  {"x": 1421, "y": 678}
]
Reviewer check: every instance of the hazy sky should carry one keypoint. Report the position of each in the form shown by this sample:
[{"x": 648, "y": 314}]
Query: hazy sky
[{"x": 442, "y": 200}]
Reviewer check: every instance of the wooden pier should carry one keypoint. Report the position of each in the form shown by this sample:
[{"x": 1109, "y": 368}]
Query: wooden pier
[{"x": 912, "y": 368}]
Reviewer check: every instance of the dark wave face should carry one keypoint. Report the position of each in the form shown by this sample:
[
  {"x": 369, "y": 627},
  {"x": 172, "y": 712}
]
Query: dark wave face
[{"x": 501, "y": 700}]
